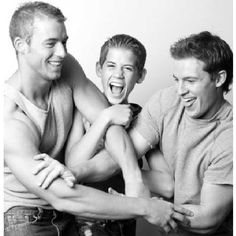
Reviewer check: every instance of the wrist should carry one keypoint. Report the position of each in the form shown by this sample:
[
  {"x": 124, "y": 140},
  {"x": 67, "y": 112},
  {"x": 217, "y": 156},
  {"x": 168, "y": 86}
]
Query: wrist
[
  {"x": 143, "y": 207},
  {"x": 133, "y": 177},
  {"x": 105, "y": 117}
]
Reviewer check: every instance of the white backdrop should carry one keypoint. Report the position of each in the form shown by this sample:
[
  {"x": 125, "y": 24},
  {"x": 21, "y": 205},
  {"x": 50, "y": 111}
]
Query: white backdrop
[{"x": 156, "y": 23}]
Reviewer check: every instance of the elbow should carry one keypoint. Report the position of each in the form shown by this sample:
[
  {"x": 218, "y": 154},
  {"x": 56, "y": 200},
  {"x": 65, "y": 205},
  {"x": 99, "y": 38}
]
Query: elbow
[
  {"x": 169, "y": 192},
  {"x": 58, "y": 204},
  {"x": 210, "y": 226},
  {"x": 56, "y": 201}
]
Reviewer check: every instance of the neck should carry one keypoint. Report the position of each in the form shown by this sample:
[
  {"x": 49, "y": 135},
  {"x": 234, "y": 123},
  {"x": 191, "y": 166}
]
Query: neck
[
  {"x": 219, "y": 102},
  {"x": 35, "y": 89}
]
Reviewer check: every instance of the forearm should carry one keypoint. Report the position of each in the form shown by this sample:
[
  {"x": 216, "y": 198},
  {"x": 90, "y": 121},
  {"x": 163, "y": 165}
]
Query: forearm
[
  {"x": 85, "y": 148},
  {"x": 121, "y": 149},
  {"x": 99, "y": 168},
  {"x": 81, "y": 200},
  {"x": 92, "y": 203},
  {"x": 205, "y": 219}
]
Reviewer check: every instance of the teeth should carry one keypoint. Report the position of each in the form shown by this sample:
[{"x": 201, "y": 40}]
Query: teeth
[
  {"x": 188, "y": 101},
  {"x": 55, "y": 63},
  {"x": 116, "y": 84}
]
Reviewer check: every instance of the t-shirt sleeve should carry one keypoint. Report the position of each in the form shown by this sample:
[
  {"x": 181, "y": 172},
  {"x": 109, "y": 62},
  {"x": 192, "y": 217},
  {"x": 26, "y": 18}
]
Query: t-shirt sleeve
[
  {"x": 220, "y": 169},
  {"x": 147, "y": 121}
]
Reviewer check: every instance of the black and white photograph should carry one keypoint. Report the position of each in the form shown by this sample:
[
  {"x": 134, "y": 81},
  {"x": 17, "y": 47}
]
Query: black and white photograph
[{"x": 117, "y": 117}]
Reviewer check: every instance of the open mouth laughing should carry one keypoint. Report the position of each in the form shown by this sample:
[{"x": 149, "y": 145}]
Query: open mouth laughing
[
  {"x": 188, "y": 102},
  {"x": 116, "y": 88},
  {"x": 57, "y": 64}
]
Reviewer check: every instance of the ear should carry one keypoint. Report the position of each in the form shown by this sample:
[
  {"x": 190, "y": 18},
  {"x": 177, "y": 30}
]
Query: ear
[
  {"x": 98, "y": 69},
  {"x": 220, "y": 78},
  {"x": 20, "y": 45},
  {"x": 141, "y": 79}
]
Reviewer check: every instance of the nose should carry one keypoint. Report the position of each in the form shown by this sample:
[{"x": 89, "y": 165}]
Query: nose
[
  {"x": 118, "y": 73},
  {"x": 60, "y": 50},
  {"x": 182, "y": 89}
]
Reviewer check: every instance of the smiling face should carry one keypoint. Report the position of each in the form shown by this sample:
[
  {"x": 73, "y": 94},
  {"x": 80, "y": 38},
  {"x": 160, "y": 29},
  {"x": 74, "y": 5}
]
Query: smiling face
[
  {"x": 119, "y": 74},
  {"x": 197, "y": 90},
  {"x": 47, "y": 49}
]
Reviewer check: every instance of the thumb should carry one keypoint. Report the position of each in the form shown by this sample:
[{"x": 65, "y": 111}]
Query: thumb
[{"x": 114, "y": 192}]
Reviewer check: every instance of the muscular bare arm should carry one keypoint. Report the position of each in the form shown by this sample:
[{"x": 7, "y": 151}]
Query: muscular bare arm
[
  {"x": 101, "y": 166},
  {"x": 83, "y": 142},
  {"x": 91, "y": 102},
  {"x": 158, "y": 176},
  {"x": 216, "y": 203},
  {"x": 21, "y": 144}
]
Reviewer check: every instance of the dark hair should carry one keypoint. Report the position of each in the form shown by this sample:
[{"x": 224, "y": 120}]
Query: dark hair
[
  {"x": 128, "y": 42},
  {"x": 22, "y": 20},
  {"x": 211, "y": 49}
]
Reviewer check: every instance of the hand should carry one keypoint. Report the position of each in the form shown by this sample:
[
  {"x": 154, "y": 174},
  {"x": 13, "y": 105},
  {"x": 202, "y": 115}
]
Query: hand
[
  {"x": 50, "y": 169},
  {"x": 181, "y": 215},
  {"x": 160, "y": 213},
  {"x": 119, "y": 114}
]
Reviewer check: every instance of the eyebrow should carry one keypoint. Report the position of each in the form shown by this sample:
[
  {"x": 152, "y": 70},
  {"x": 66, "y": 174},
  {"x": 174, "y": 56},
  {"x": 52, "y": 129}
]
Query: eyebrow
[
  {"x": 186, "y": 78},
  {"x": 56, "y": 39},
  {"x": 131, "y": 65}
]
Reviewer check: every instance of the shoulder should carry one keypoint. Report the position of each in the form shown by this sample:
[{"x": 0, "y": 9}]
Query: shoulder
[
  {"x": 72, "y": 71},
  {"x": 224, "y": 137},
  {"x": 163, "y": 101},
  {"x": 16, "y": 122},
  {"x": 166, "y": 96}
]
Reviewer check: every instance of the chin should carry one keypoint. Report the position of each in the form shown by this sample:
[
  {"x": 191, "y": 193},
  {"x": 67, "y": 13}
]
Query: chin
[
  {"x": 115, "y": 101},
  {"x": 55, "y": 77}
]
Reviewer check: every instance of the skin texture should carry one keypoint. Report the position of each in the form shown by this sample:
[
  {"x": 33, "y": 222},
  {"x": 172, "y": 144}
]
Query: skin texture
[
  {"x": 40, "y": 62},
  {"x": 199, "y": 93},
  {"x": 215, "y": 199},
  {"x": 119, "y": 69}
]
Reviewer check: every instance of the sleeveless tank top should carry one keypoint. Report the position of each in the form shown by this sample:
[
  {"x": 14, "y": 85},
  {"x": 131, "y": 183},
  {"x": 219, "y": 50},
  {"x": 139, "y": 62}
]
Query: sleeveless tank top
[{"x": 52, "y": 127}]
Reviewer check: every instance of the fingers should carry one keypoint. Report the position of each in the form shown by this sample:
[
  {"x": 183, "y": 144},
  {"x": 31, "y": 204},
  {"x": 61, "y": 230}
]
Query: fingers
[
  {"x": 181, "y": 218},
  {"x": 42, "y": 165},
  {"x": 51, "y": 176},
  {"x": 43, "y": 176},
  {"x": 167, "y": 228},
  {"x": 69, "y": 178},
  {"x": 183, "y": 210},
  {"x": 49, "y": 179},
  {"x": 173, "y": 225},
  {"x": 40, "y": 156},
  {"x": 51, "y": 169}
]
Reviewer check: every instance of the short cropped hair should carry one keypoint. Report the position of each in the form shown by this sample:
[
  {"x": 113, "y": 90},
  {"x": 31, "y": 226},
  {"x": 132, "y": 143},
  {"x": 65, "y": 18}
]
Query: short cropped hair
[
  {"x": 211, "y": 49},
  {"x": 127, "y": 42},
  {"x": 22, "y": 21}
]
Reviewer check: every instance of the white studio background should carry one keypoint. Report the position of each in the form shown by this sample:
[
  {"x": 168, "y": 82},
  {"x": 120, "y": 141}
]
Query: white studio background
[{"x": 156, "y": 23}]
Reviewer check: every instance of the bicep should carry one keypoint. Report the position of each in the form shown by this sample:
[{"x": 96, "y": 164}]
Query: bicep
[
  {"x": 76, "y": 133},
  {"x": 156, "y": 161},
  {"x": 20, "y": 145},
  {"x": 89, "y": 100},
  {"x": 87, "y": 97}
]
